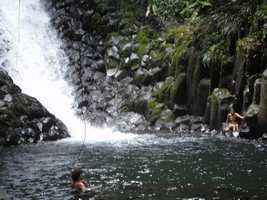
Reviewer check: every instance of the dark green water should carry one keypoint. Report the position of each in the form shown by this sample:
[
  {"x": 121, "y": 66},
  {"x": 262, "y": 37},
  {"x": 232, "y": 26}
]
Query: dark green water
[{"x": 139, "y": 167}]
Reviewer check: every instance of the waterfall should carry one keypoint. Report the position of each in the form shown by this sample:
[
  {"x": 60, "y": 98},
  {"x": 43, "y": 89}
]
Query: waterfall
[
  {"x": 37, "y": 64},
  {"x": 35, "y": 61}
]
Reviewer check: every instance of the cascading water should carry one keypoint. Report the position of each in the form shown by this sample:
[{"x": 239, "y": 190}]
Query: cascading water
[
  {"x": 35, "y": 60},
  {"x": 36, "y": 63}
]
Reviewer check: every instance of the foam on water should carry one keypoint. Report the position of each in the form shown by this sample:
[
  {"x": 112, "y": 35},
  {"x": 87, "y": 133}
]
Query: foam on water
[{"x": 35, "y": 60}]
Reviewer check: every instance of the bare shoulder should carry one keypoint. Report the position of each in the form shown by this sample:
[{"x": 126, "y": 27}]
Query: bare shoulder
[{"x": 80, "y": 184}]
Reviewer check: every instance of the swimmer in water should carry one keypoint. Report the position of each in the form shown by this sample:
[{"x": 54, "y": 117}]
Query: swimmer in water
[{"x": 77, "y": 182}]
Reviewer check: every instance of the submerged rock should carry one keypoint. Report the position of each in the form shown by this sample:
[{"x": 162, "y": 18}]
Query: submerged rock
[{"x": 23, "y": 119}]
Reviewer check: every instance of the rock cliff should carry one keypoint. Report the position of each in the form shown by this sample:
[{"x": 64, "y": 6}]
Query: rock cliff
[{"x": 141, "y": 72}]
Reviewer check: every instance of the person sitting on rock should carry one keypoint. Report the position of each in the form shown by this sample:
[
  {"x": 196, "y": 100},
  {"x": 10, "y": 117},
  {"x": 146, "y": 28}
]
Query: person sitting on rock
[
  {"x": 77, "y": 182},
  {"x": 231, "y": 121}
]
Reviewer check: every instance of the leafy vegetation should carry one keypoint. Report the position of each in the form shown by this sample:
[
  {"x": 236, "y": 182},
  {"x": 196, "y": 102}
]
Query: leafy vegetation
[{"x": 178, "y": 8}]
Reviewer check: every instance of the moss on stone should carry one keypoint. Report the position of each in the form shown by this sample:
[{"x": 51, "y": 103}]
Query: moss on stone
[
  {"x": 142, "y": 41},
  {"x": 157, "y": 55},
  {"x": 214, "y": 101},
  {"x": 164, "y": 93},
  {"x": 145, "y": 36},
  {"x": 155, "y": 109},
  {"x": 155, "y": 106}
]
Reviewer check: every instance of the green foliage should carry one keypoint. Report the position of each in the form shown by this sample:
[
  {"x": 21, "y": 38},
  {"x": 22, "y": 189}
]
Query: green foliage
[
  {"x": 249, "y": 45},
  {"x": 182, "y": 37},
  {"x": 143, "y": 41},
  {"x": 145, "y": 36},
  {"x": 260, "y": 19},
  {"x": 164, "y": 93},
  {"x": 262, "y": 11},
  {"x": 178, "y": 8},
  {"x": 215, "y": 55},
  {"x": 155, "y": 106}
]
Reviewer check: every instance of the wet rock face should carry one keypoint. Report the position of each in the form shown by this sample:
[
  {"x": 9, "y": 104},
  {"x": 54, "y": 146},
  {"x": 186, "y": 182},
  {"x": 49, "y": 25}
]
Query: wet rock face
[
  {"x": 218, "y": 107},
  {"x": 123, "y": 64},
  {"x": 119, "y": 71},
  {"x": 262, "y": 115},
  {"x": 100, "y": 65},
  {"x": 23, "y": 119}
]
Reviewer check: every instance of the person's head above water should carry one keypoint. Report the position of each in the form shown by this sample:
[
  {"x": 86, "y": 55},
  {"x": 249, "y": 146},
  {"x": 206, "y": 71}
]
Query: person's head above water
[
  {"x": 76, "y": 174},
  {"x": 77, "y": 182}
]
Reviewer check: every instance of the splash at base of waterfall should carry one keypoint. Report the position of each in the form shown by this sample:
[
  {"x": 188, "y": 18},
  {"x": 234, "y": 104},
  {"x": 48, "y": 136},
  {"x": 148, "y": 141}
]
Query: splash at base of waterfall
[{"x": 35, "y": 60}]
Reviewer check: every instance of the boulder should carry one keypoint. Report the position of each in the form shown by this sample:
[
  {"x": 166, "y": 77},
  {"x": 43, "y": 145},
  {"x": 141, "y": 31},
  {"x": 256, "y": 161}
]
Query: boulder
[
  {"x": 262, "y": 115},
  {"x": 218, "y": 106},
  {"x": 23, "y": 119},
  {"x": 129, "y": 122},
  {"x": 113, "y": 52},
  {"x": 180, "y": 110},
  {"x": 165, "y": 120},
  {"x": 132, "y": 61},
  {"x": 252, "y": 121}
]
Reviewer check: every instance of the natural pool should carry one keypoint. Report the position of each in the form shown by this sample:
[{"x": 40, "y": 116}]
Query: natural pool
[{"x": 139, "y": 167}]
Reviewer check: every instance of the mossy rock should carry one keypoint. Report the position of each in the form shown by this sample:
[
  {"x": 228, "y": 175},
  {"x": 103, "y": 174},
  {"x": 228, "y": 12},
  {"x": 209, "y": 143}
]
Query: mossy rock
[
  {"x": 142, "y": 77},
  {"x": 172, "y": 91},
  {"x": 219, "y": 105},
  {"x": 253, "y": 120},
  {"x": 144, "y": 37},
  {"x": 142, "y": 41},
  {"x": 164, "y": 93},
  {"x": 126, "y": 49},
  {"x": 155, "y": 106},
  {"x": 165, "y": 120},
  {"x": 132, "y": 62},
  {"x": 111, "y": 63},
  {"x": 154, "y": 110},
  {"x": 157, "y": 55}
]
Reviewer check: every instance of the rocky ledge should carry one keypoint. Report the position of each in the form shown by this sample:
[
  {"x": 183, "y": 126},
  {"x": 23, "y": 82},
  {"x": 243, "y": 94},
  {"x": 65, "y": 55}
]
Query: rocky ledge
[{"x": 23, "y": 119}]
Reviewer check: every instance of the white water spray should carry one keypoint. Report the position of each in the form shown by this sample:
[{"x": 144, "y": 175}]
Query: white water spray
[
  {"x": 36, "y": 63},
  {"x": 35, "y": 59}
]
